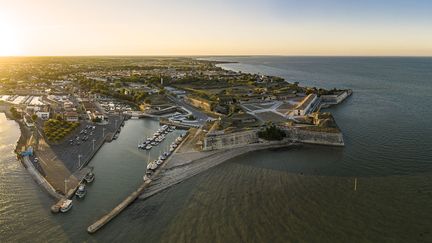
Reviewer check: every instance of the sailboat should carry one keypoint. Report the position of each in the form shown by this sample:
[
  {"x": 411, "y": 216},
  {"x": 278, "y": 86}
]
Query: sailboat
[{"x": 148, "y": 171}]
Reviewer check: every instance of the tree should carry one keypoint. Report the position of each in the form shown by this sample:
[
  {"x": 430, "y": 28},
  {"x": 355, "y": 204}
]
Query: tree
[
  {"x": 15, "y": 113},
  {"x": 191, "y": 117},
  {"x": 34, "y": 117},
  {"x": 97, "y": 119},
  {"x": 272, "y": 133}
]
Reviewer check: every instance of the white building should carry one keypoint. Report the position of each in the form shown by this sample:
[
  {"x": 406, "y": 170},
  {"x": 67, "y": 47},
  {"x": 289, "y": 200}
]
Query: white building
[
  {"x": 307, "y": 105},
  {"x": 44, "y": 115},
  {"x": 71, "y": 116}
]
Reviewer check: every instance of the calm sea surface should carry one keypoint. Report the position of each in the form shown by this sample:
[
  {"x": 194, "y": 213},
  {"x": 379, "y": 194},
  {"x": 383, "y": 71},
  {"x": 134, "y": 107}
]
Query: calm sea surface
[{"x": 302, "y": 194}]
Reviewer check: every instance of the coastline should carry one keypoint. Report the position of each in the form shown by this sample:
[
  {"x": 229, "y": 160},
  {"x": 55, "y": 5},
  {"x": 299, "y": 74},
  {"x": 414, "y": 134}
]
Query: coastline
[{"x": 22, "y": 142}]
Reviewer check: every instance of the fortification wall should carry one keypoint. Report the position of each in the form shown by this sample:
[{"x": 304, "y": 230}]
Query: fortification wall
[
  {"x": 230, "y": 140},
  {"x": 314, "y": 137}
]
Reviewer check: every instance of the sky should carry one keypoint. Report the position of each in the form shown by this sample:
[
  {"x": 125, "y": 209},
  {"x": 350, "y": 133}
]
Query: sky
[{"x": 218, "y": 27}]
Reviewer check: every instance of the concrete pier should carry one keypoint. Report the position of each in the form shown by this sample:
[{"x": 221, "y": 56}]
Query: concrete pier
[
  {"x": 40, "y": 180},
  {"x": 117, "y": 210},
  {"x": 210, "y": 158}
]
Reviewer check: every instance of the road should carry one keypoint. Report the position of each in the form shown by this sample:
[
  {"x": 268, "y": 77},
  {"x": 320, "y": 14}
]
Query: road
[{"x": 200, "y": 116}]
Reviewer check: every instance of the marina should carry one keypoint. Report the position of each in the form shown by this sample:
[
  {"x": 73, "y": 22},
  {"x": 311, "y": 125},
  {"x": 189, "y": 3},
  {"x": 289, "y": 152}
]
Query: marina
[
  {"x": 153, "y": 169},
  {"x": 157, "y": 138}
]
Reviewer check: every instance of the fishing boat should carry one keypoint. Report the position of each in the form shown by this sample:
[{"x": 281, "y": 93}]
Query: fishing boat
[
  {"x": 66, "y": 206},
  {"x": 89, "y": 178},
  {"x": 81, "y": 192},
  {"x": 154, "y": 165},
  {"x": 148, "y": 147}
]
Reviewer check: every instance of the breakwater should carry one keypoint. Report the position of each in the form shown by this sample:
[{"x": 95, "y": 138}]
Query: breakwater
[{"x": 183, "y": 166}]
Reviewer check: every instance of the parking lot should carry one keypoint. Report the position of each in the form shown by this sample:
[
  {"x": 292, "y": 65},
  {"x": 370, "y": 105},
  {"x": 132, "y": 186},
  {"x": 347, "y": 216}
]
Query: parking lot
[{"x": 80, "y": 146}]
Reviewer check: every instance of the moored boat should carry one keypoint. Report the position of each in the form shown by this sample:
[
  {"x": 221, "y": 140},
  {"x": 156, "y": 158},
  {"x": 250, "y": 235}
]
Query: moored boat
[
  {"x": 66, "y": 206},
  {"x": 81, "y": 192},
  {"x": 154, "y": 165},
  {"x": 89, "y": 178}
]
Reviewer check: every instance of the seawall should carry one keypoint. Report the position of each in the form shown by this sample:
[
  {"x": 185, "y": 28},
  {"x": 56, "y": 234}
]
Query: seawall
[
  {"x": 183, "y": 166},
  {"x": 315, "y": 137}
]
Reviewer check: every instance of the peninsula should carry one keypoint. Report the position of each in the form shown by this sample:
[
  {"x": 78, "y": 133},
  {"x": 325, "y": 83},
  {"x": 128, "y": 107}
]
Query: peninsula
[{"x": 68, "y": 107}]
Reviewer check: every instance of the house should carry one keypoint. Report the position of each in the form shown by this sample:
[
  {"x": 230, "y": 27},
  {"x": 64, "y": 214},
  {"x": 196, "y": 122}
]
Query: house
[
  {"x": 43, "y": 113},
  {"x": 95, "y": 115},
  {"x": 71, "y": 116}
]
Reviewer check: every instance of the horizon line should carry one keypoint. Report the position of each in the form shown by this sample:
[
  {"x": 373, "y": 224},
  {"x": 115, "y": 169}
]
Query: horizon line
[{"x": 216, "y": 55}]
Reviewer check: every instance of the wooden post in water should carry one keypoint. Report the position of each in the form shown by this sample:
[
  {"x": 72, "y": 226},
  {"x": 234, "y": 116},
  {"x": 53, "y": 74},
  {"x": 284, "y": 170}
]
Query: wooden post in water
[{"x": 355, "y": 184}]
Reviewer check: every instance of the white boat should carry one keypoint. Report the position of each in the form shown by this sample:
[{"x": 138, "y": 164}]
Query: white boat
[
  {"x": 148, "y": 147},
  {"x": 159, "y": 162},
  {"x": 66, "y": 206},
  {"x": 81, "y": 192},
  {"x": 154, "y": 165},
  {"x": 89, "y": 177}
]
